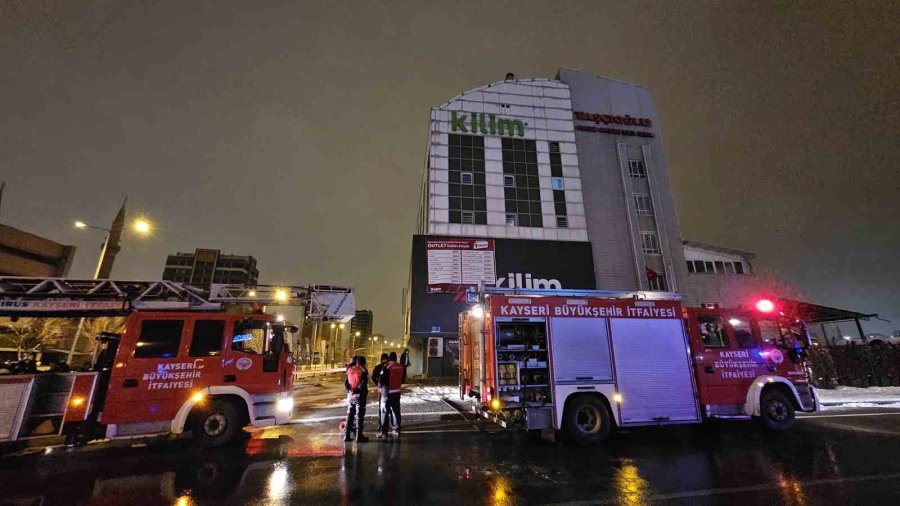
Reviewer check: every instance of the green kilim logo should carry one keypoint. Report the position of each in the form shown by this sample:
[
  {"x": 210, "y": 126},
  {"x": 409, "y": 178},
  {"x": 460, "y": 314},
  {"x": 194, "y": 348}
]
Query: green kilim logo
[{"x": 486, "y": 124}]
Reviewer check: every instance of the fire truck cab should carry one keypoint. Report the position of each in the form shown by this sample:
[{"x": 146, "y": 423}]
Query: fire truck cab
[
  {"x": 585, "y": 362},
  {"x": 210, "y": 373}
]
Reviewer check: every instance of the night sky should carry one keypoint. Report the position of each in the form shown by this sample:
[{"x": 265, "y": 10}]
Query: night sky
[{"x": 297, "y": 133}]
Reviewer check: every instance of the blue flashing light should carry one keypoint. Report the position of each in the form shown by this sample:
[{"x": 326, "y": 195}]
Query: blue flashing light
[{"x": 241, "y": 338}]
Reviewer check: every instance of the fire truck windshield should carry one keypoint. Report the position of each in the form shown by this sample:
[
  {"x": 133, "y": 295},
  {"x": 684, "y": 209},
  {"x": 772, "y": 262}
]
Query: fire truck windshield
[
  {"x": 259, "y": 337},
  {"x": 770, "y": 332},
  {"x": 774, "y": 333}
]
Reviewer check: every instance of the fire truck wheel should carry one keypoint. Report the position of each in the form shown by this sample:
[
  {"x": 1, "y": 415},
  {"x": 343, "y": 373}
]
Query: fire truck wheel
[
  {"x": 587, "y": 420},
  {"x": 217, "y": 424},
  {"x": 776, "y": 411}
]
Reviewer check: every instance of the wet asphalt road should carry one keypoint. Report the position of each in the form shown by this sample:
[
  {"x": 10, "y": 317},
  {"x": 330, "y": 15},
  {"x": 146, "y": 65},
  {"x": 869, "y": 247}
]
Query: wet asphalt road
[{"x": 844, "y": 457}]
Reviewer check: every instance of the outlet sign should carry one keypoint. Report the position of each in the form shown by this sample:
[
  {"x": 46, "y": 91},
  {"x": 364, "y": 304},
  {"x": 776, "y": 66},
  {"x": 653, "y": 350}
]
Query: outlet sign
[{"x": 485, "y": 124}]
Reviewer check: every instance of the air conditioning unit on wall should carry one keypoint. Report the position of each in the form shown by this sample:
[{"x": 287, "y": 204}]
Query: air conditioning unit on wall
[{"x": 435, "y": 347}]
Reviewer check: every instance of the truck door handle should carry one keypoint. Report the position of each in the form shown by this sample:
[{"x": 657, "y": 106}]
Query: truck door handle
[
  {"x": 130, "y": 383},
  {"x": 229, "y": 378},
  {"x": 710, "y": 369}
]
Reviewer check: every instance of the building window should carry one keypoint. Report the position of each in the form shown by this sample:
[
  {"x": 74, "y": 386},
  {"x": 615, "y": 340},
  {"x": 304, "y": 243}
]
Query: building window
[
  {"x": 649, "y": 243},
  {"x": 637, "y": 168},
  {"x": 467, "y": 217},
  {"x": 558, "y": 185},
  {"x": 709, "y": 305},
  {"x": 511, "y": 219},
  {"x": 509, "y": 181},
  {"x": 159, "y": 339},
  {"x": 643, "y": 205},
  {"x": 524, "y": 199},
  {"x": 466, "y": 178},
  {"x": 715, "y": 267},
  {"x": 657, "y": 283}
]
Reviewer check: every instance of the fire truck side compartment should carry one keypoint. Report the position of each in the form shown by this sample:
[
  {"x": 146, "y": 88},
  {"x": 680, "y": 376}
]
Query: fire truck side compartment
[{"x": 653, "y": 372}]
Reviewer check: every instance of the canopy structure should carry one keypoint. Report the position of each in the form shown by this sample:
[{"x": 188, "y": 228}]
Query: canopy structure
[{"x": 815, "y": 313}]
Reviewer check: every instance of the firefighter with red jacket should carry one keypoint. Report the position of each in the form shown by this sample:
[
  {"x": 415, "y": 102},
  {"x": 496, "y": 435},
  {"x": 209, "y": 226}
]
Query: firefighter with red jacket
[
  {"x": 357, "y": 387},
  {"x": 391, "y": 380}
]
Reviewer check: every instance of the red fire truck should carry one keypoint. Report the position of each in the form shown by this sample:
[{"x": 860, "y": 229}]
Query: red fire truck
[
  {"x": 208, "y": 361},
  {"x": 584, "y": 362}
]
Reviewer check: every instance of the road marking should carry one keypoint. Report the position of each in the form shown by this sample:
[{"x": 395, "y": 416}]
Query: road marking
[
  {"x": 769, "y": 487},
  {"x": 892, "y": 413},
  {"x": 342, "y": 417}
]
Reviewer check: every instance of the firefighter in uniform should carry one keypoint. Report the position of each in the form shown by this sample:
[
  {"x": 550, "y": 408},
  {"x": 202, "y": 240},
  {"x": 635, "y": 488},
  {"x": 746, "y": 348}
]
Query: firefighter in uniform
[
  {"x": 357, "y": 386},
  {"x": 392, "y": 381}
]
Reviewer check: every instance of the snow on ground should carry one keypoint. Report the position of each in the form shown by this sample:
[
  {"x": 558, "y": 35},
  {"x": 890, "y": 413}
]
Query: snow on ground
[
  {"x": 433, "y": 393},
  {"x": 849, "y": 405},
  {"x": 852, "y": 397},
  {"x": 413, "y": 394},
  {"x": 853, "y": 394}
]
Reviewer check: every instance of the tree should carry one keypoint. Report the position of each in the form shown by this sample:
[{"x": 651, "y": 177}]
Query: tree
[
  {"x": 92, "y": 327},
  {"x": 29, "y": 335}
]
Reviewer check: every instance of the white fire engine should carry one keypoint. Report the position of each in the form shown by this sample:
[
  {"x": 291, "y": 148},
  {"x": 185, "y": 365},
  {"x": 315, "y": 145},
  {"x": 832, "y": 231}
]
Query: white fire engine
[
  {"x": 209, "y": 361},
  {"x": 585, "y": 362}
]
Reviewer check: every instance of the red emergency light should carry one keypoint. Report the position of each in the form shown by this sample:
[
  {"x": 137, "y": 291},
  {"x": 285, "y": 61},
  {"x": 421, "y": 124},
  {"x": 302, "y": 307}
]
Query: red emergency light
[{"x": 765, "y": 305}]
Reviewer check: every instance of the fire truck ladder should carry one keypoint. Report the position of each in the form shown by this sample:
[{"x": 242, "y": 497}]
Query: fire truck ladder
[{"x": 23, "y": 296}]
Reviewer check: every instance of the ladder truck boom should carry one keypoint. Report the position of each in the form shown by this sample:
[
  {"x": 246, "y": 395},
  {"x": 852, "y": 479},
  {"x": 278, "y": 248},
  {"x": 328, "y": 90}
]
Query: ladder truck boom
[{"x": 25, "y": 296}]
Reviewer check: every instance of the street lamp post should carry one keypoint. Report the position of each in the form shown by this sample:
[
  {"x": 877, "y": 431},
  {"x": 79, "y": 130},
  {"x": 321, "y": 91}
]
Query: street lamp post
[
  {"x": 108, "y": 253},
  {"x": 343, "y": 355},
  {"x": 333, "y": 341}
]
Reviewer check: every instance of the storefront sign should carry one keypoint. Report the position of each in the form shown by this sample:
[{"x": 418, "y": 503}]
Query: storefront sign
[
  {"x": 459, "y": 263},
  {"x": 485, "y": 124},
  {"x": 614, "y": 119},
  {"x": 517, "y": 263}
]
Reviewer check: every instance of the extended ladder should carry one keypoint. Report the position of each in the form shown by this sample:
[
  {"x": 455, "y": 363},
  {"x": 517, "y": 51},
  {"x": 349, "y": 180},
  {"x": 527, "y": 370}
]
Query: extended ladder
[{"x": 25, "y": 296}]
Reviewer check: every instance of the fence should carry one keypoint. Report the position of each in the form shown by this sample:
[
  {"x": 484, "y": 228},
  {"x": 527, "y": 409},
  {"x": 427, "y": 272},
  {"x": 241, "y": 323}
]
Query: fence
[{"x": 855, "y": 365}]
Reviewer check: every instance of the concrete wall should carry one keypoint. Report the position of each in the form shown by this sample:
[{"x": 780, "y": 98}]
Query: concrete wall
[
  {"x": 613, "y": 224},
  {"x": 25, "y": 254}
]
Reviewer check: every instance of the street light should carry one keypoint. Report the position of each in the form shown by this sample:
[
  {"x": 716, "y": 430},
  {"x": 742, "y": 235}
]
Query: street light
[
  {"x": 108, "y": 253},
  {"x": 142, "y": 226}
]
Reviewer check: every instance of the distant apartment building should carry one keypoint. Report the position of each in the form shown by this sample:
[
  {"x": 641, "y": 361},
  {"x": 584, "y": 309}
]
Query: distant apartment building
[
  {"x": 26, "y": 254},
  {"x": 362, "y": 323},
  {"x": 204, "y": 267}
]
